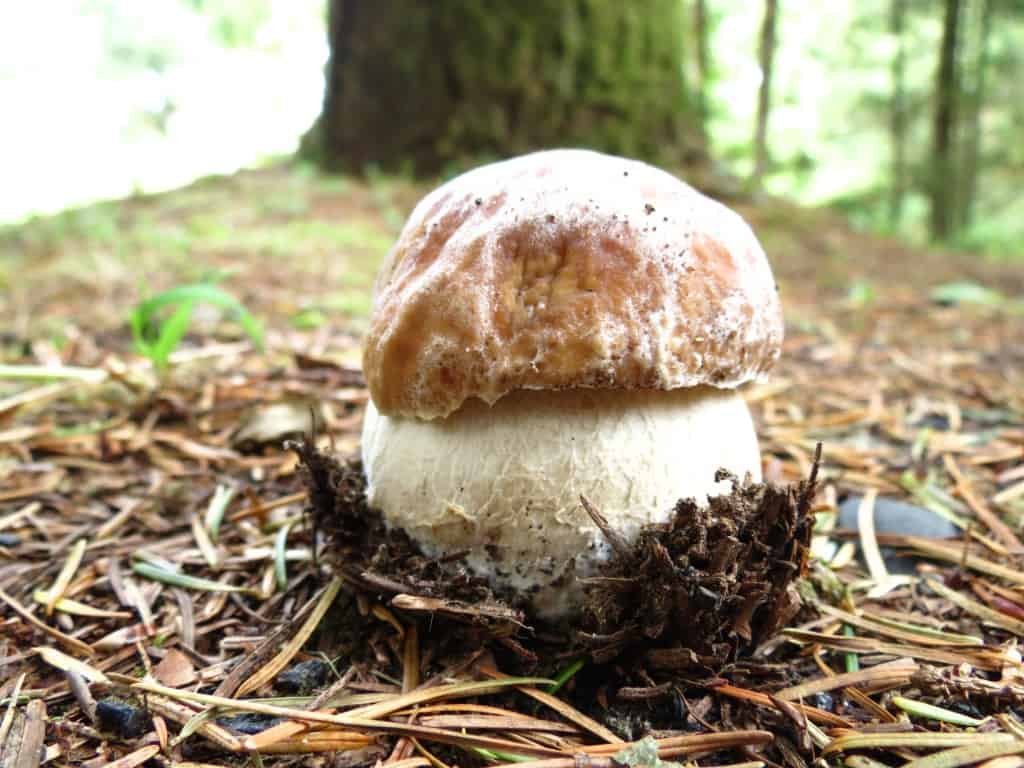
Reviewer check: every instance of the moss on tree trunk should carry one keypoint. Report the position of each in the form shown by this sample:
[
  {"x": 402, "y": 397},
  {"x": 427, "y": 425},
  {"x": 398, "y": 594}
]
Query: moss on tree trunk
[{"x": 425, "y": 86}]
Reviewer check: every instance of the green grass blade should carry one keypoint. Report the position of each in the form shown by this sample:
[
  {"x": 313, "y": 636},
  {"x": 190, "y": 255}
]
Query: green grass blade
[
  {"x": 171, "y": 334},
  {"x": 157, "y": 340},
  {"x": 931, "y": 712},
  {"x": 207, "y": 294},
  {"x": 150, "y": 571},
  {"x": 215, "y": 511},
  {"x": 566, "y": 675}
]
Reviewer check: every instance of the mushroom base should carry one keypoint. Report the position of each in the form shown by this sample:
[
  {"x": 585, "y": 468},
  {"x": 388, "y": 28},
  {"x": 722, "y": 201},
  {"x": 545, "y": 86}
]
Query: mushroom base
[{"x": 503, "y": 482}]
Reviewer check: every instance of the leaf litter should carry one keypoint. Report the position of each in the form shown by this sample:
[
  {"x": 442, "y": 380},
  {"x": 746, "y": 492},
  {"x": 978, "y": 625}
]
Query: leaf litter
[{"x": 167, "y": 557}]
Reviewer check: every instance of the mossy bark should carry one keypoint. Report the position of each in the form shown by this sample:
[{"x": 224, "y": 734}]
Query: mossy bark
[{"x": 429, "y": 86}]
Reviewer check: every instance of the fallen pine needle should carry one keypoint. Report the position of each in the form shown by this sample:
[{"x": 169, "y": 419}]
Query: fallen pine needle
[
  {"x": 922, "y": 634},
  {"x": 863, "y": 761},
  {"x": 214, "y": 516},
  {"x": 12, "y": 704},
  {"x": 955, "y": 554},
  {"x": 393, "y": 705},
  {"x": 294, "y": 645},
  {"x": 290, "y": 729},
  {"x": 410, "y": 762},
  {"x": 693, "y": 742},
  {"x": 698, "y": 742},
  {"x": 138, "y": 757},
  {"x": 205, "y": 543},
  {"x": 892, "y": 672},
  {"x": 423, "y": 695},
  {"x": 981, "y": 657},
  {"x": 870, "y": 705},
  {"x": 983, "y": 612},
  {"x": 900, "y": 630},
  {"x": 565, "y": 710},
  {"x": 987, "y": 748},
  {"x": 263, "y": 508},
  {"x": 33, "y": 735},
  {"x": 53, "y": 373},
  {"x": 566, "y": 675},
  {"x": 999, "y": 529},
  {"x": 911, "y": 740},
  {"x": 355, "y": 723},
  {"x": 326, "y": 740},
  {"x": 604, "y": 755},
  {"x": 495, "y": 722},
  {"x": 822, "y": 716},
  {"x": 932, "y": 712},
  {"x": 75, "y": 608},
  {"x": 869, "y": 545},
  {"x": 66, "y": 663},
  {"x": 185, "y": 716},
  {"x": 67, "y": 572},
  {"x": 280, "y": 564},
  {"x": 156, "y": 573},
  {"x": 66, "y": 640}
]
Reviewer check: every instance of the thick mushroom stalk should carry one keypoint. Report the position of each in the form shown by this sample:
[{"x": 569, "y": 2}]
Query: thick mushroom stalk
[{"x": 503, "y": 482}]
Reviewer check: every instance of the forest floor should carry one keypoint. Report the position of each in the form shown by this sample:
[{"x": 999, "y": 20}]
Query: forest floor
[{"x": 153, "y": 529}]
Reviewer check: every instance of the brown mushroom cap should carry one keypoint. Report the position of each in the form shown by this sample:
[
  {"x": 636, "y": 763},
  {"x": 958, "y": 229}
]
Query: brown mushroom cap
[{"x": 561, "y": 269}]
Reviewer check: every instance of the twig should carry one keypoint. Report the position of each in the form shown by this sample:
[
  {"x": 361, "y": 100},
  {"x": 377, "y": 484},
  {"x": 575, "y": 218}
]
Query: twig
[
  {"x": 67, "y": 641},
  {"x": 614, "y": 539}
]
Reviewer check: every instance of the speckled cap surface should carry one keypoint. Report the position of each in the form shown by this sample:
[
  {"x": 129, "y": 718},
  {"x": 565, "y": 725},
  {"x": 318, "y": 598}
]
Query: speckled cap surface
[{"x": 567, "y": 268}]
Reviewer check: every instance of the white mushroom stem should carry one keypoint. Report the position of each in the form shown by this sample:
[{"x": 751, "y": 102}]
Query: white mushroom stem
[{"x": 504, "y": 481}]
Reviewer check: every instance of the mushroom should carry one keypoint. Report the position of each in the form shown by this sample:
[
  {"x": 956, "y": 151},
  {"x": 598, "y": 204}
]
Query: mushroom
[{"x": 560, "y": 324}]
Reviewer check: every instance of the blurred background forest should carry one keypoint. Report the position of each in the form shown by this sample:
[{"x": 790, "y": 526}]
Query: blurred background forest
[
  {"x": 904, "y": 115},
  {"x": 195, "y": 198}
]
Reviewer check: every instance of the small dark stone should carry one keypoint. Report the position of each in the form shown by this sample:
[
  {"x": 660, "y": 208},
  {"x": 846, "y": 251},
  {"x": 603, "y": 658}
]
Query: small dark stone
[
  {"x": 249, "y": 723},
  {"x": 902, "y": 519},
  {"x": 898, "y": 517},
  {"x": 692, "y": 726},
  {"x": 933, "y": 421},
  {"x": 302, "y": 678},
  {"x": 10, "y": 540},
  {"x": 823, "y": 701},
  {"x": 122, "y": 718}
]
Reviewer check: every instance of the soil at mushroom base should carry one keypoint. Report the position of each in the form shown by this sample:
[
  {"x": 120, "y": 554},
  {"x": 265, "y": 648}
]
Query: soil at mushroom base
[{"x": 686, "y": 598}]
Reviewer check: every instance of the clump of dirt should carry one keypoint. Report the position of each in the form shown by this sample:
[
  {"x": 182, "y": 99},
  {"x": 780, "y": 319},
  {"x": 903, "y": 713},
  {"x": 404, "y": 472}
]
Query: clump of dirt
[
  {"x": 696, "y": 592},
  {"x": 690, "y": 595}
]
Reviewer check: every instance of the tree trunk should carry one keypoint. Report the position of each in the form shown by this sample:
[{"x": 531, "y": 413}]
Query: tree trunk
[
  {"x": 898, "y": 116},
  {"x": 972, "y": 142},
  {"x": 947, "y": 87},
  {"x": 424, "y": 86},
  {"x": 764, "y": 95},
  {"x": 701, "y": 36}
]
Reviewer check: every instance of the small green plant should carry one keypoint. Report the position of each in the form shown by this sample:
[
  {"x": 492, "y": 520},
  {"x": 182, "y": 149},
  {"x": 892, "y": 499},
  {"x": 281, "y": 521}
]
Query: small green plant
[
  {"x": 161, "y": 322},
  {"x": 861, "y": 294},
  {"x": 965, "y": 292}
]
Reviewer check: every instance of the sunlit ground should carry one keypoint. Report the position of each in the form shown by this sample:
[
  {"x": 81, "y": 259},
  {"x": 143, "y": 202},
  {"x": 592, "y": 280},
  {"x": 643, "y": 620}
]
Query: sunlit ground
[{"x": 104, "y": 99}]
